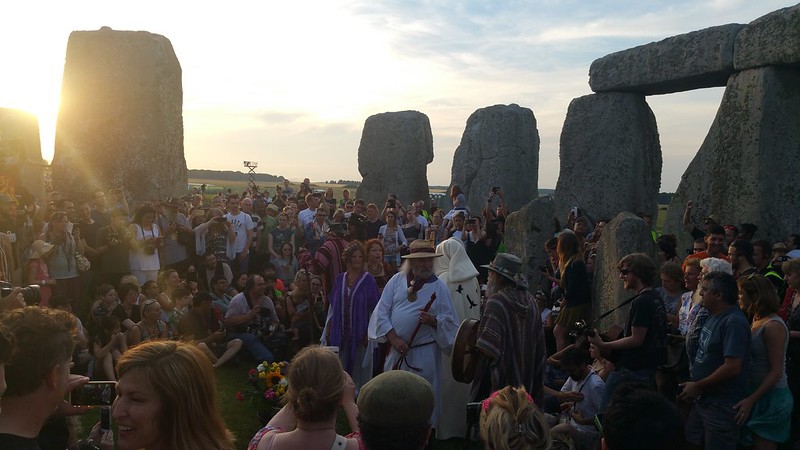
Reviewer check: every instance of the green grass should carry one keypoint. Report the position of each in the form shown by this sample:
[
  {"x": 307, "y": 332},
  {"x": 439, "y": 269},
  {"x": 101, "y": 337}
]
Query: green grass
[{"x": 240, "y": 416}]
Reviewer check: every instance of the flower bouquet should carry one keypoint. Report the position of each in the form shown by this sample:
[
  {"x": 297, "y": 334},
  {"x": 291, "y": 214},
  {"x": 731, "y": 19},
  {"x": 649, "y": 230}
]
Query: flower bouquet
[{"x": 269, "y": 385}]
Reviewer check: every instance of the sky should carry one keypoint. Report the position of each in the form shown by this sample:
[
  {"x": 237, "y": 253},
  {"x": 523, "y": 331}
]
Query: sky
[{"x": 290, "y": 84}]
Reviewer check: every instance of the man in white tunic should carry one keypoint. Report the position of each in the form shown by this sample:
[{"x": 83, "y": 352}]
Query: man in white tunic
[{"x": 418, "y": 330}]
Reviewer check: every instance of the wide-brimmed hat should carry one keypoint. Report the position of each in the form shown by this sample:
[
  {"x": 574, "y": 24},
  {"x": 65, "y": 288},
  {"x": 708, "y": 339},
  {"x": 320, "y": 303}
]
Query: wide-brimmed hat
[
  {"x": 509, "y": 266},
  {"x": 396, "y": 399},
  {"x": 780, "y": 247},
  {"x": 39, "y": 248},
  {"x": 338, "y": 228},
  {"x": 172, "y": 202},
  {"x": 421, "y": 248},
  {"x": 356, "y": 219}
]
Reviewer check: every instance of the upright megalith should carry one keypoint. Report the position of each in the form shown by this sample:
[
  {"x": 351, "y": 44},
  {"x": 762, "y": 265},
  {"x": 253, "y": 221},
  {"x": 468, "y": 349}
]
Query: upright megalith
[
  {"x": 746, "y": 170},
  {"x": 610, "y": 157},
  {"x": 395, "y": 150},
  {"x": 625, "y": 234},
  {"x": 499, "y": 147},
  {"x": 695, "y": 60},
  {"x": 526, "y": 231},
  {"x": 21, "y": 164},
  {"x": 120, "y": 123},
  {"x": 773, "y": 39}
]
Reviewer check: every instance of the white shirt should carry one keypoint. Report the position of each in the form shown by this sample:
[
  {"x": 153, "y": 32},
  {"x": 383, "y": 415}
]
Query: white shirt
[
  {"x": 242, "y": 223},
  {"x": 592, "y": 388},
  {"x": 306, "y": 216}
]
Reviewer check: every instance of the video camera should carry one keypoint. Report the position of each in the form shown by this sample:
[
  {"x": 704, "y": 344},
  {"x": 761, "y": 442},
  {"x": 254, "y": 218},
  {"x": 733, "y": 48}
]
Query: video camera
[{"x": 30, "y": 293}]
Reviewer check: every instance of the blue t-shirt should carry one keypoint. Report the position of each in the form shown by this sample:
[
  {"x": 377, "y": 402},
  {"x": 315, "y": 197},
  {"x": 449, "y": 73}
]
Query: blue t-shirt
[{"x": 724, "y": 335}]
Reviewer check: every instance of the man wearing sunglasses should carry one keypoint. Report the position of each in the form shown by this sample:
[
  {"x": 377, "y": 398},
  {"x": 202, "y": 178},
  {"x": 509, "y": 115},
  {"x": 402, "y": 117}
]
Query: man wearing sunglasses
[{"x": 643, "y": 346}]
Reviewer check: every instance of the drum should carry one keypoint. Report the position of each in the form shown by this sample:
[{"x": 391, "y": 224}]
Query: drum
[{"x": 465, "y": 353}]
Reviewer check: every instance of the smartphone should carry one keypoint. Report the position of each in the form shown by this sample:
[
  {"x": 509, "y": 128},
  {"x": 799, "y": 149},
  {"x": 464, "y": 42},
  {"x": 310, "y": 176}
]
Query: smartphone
[
  {"x": 94, "y": 393},
  {"x": 105, "y": 418}
]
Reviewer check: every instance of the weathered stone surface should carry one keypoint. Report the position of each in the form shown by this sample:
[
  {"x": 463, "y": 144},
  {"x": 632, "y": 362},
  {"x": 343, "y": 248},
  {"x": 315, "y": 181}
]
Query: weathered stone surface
[
  {"x": 746, "y": 170},
  {"x": 610, "y": 157},
  {"x": 695, "y": 60},
  {"x": 625, "y": 234},
  {"x": 120, "y": 122},
  {"x": 499, "y": 147},
  {"x": 773, "y": 39},
  {"x": 21, "y": 164},
  {"x": 395, "y": 150},
  {"x": 526, "y": 231}
]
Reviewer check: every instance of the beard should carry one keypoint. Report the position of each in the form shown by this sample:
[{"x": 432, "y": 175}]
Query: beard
[{"x": 492, "y": 286}]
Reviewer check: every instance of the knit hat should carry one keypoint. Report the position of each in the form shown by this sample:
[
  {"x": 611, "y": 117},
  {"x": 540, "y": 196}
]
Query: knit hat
[{"x": 396, "y": 399}]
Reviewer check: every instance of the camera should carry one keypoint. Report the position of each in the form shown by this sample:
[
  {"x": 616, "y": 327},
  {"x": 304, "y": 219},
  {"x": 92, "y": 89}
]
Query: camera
[
  {"x": 581, "y": 328},
  {"x": 29, "y": 293},
  {"x": 265, "y": 312}
]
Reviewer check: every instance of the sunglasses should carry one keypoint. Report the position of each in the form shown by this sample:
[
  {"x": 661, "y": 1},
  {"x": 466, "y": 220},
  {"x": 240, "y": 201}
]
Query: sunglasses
[{"x": 624, "y": 271}]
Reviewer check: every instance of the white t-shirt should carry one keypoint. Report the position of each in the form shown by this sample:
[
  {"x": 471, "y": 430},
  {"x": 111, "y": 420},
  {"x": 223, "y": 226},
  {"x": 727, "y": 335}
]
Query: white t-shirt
[
  {"x": 592, "y": 388},
  {"x": 306, "y": 216},
  {"x": 241, "y": 222}
]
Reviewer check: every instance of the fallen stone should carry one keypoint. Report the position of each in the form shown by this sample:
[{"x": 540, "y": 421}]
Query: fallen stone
[
  {"x": 746, "y": 170},
  {"x": 499, "y": 147},
  {"x": 395, "y": 150},
  {"x": 695, "y": 60},
  {"x": 625, "y": 234},
  {"x": 610, "y": 157},
  {"x": 773, "y": 39},
  {"x": 120, "y": 123}
]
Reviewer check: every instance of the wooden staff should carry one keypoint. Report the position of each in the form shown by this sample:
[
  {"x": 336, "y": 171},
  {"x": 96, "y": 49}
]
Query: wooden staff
[{"x": 414, "y": 334}]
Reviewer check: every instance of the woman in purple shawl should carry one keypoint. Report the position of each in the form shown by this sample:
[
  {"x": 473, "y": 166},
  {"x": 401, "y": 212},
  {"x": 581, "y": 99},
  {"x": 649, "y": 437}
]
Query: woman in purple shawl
[{"x": 351, "y": 301}]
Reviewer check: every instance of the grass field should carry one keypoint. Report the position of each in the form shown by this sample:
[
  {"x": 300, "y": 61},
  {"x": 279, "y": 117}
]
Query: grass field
[{"x": 240, "y": 416}]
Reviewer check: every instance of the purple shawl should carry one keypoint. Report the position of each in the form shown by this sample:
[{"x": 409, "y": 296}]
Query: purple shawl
[{"x": 365, "y": 297}]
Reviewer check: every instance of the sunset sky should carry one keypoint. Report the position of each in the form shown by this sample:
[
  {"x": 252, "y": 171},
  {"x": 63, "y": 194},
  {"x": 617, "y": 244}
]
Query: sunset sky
[{"x": 290, "y": 84}]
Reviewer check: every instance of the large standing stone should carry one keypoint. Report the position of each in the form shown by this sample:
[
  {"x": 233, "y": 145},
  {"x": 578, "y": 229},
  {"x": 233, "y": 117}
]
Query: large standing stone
[
  {"x": 120, "y": 122},
  {"x": 21, "y": 164},
  {"x": 747, "y": 168},
  {"x": 499, "y": 147},
  {"x": 695, "y": 60},
  {"x": 773, "y": 39},
  {"x": 395, "y": 150},
  {"x": 625, "y": 234},
  {"x": 526, "y": 231},
  {"x": 610, "y": 157}
]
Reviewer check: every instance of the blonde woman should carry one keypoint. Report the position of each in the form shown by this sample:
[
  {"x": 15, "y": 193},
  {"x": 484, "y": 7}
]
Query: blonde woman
[
  {"x": 166, "y": 398},
  {"x": 510, "y": 421}
]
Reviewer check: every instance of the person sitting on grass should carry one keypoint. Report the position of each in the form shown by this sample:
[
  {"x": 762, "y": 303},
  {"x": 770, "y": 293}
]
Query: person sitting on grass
[{"x": 201, "y": 326}]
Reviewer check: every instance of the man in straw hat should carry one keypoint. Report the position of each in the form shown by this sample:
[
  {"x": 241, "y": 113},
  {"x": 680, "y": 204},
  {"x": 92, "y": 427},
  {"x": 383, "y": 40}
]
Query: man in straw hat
[
  {"x": 417, "y": 325},
  {"x": 510, "y": 335}
]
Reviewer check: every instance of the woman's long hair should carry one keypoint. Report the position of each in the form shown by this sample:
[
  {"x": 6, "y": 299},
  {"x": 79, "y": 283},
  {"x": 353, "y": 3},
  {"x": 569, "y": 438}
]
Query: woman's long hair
[
  {"x": 144, "y": 209},
  {"x": 759, "y": 296},
  {"x": 183, "y": 378},
  {"x": 316, "y": 384},
  {"x": 568, "y": 250},
  {"x": 510, "y": 421}
]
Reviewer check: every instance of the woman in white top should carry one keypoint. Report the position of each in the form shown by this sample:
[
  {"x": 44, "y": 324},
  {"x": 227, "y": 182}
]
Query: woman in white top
[
  {"x": 143, "y": 256},
  {"x": 393, "y": 239}
]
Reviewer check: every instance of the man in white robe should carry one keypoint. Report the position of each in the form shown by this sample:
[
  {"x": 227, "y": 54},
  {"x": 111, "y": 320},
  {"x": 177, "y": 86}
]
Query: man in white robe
[{"x": 417, "y": 337}]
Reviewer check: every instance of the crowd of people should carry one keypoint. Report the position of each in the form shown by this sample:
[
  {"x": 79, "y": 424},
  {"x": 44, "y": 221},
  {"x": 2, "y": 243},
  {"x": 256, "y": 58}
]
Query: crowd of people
[{"x": 707, "y": 356}]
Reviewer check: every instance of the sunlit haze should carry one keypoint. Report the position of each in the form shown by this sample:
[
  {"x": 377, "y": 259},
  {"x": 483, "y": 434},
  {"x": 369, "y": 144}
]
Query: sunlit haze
[{"x": 290, "y": 84}]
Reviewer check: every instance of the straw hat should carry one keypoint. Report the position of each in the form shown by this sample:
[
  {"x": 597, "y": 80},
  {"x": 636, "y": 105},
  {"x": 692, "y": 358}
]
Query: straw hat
[
  {"x": 421, "y": 248},
  {"x": 39, "y": 248}
]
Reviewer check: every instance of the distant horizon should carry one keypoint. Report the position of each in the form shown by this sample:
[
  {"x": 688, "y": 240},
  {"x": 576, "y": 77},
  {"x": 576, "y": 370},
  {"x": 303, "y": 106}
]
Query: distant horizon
[{"x": 290, "y": 83}]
